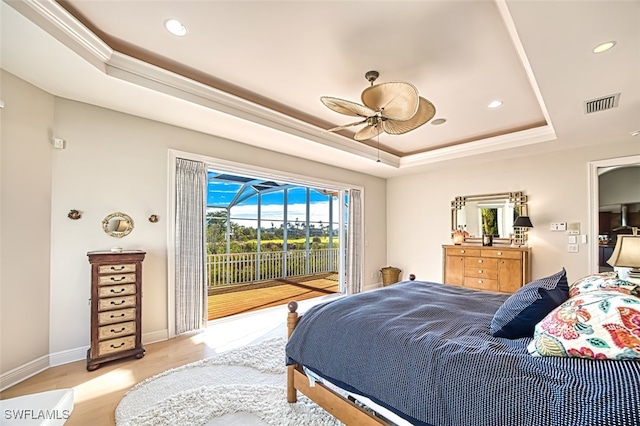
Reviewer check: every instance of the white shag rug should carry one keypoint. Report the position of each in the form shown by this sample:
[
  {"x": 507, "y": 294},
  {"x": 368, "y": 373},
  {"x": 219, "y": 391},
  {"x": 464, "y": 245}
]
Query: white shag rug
[{"x": 245, "y": 386}]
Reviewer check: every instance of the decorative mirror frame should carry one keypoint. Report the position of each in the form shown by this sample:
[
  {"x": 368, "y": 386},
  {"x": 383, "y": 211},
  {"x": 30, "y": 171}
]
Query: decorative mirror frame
[
  {"x": 519, "y": 201},
  {"x": 117, "y": 234}
]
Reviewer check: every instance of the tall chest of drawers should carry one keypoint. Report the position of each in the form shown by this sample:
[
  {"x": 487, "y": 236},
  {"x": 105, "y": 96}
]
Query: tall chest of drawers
[
  {"x": 116, "y": 302},
  {"x": 499, "y": 269}
]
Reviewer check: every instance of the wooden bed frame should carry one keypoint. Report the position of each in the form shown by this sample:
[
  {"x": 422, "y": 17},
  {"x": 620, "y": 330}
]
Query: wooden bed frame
[{"x": 338, "y": 406}]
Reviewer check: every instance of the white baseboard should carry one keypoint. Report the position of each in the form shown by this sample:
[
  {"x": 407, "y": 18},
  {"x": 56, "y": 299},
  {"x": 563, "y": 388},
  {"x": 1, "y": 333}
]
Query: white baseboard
[
  {"x": 371, "y": 286},
  {"x": 156, "y": 336},
  {"x": 45, "y": 362},
  {"x": 23, "y": 372},
  {"x": 65, "y": 357}
]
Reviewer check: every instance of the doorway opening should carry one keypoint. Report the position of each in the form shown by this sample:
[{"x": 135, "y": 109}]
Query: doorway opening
[{"x": 270, "y": 241}]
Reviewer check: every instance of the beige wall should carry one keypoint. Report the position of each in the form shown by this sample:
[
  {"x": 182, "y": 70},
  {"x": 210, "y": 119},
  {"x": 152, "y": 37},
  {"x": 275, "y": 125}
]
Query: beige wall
[
  {"x": 25, "y": 223},
  {"x": 418, "y": 206},
  {"x": 117, "y": 162},
  {"x": 114, "y": 162}
]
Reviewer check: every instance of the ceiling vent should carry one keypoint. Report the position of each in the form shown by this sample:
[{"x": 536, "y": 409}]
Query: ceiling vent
[{"x": 600, "y": 104}]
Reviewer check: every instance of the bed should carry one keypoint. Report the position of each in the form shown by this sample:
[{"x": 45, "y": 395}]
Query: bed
[{"x": 425, "y": 352}]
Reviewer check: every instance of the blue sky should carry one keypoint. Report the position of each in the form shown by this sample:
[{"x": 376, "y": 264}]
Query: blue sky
[{"x": 222, "y": 193}]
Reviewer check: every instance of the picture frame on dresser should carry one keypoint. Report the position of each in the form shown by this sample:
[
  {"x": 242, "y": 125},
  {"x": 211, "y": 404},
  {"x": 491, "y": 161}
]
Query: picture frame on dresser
[{"x": 116, "y": 306}]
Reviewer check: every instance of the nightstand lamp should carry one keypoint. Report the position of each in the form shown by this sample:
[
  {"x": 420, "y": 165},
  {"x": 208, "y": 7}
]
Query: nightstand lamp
[
  {"x": 523, "y": 222},
  {"x": 626, "y": 254}
]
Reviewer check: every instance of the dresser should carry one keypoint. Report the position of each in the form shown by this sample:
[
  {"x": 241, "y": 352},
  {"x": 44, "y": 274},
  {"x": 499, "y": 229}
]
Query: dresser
[
  {"x": 116, "y": 301},
  {"x": 499, "y": 269}
]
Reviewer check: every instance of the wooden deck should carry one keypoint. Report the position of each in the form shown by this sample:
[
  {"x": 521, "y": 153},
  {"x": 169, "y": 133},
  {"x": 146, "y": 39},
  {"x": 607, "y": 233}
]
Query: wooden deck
[{"x": 237, "y": 299}]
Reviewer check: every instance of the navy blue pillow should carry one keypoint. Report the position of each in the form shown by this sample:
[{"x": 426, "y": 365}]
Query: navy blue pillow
[{"x": 519, "y": 314}]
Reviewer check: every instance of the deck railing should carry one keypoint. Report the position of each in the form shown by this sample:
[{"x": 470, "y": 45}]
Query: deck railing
[{"x": 242, "y": 268}]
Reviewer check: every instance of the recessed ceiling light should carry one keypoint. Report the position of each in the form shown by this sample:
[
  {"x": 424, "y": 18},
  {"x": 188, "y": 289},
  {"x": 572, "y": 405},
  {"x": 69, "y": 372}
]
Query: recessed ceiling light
[
  {"x": 603, "y": 47},
  {"x": 175, "y": 27},
  {"x": 495, "y": 104},
  {"x": 438, "y": 121}
]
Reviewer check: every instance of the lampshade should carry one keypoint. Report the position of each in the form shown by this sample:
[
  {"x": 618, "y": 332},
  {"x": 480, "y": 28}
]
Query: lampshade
[
  {"x": 626, "y": 254},
  {"x": 522, "y": 222}
]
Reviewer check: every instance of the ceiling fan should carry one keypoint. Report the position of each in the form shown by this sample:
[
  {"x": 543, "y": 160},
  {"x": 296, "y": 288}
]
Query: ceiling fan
[{"x": 394, "y": 108}]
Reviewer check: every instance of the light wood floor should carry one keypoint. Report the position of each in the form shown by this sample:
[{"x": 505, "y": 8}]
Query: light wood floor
[{"x": 98, "y": 393}]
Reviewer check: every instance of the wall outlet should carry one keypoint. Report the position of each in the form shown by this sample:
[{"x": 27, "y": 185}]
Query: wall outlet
[
  {"x": 558, "y": 226},
  {"x": 572, "y": 248}
]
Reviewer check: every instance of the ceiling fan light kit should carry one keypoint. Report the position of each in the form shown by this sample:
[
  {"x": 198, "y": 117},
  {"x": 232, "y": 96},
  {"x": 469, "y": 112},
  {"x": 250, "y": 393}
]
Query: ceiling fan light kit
[{"x": 394, "y": 108}]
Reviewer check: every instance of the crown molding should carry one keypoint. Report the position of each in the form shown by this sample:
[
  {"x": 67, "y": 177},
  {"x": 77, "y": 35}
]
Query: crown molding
[
  {"x": 59, "y": 23},
  {"x": 481, "y": 146}
]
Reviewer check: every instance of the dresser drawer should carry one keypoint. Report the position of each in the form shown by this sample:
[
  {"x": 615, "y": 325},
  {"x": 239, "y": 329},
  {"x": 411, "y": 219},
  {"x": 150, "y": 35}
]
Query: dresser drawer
[
  {"x": 114, "y": 269},
  {"x": 485, "y": 284},
  {"x": 116, "y": 330},
  {"x": 116, "y": 279},
  {"x": 481, "y": 273},
  {"x": 463, "y": 251},
  {"x": 480, "y": 262},
  {"x": 112, "y": 303},
  {"x": 121, "y": 315},
  {"x": 504, "y": 254},
  {"x": 117, "y": 290},
  {"x": 116, "y": 345}
]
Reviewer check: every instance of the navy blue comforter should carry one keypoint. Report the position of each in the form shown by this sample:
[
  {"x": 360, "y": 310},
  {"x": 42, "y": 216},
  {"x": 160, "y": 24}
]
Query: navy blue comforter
[{"x": 424, "y": 351}]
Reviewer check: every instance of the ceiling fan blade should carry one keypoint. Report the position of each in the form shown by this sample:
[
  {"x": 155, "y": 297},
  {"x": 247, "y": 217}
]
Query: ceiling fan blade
[
  {"x": 395, "y": 100},
  {"x": 426, "y": 111},
  {"x": 347, "y": 107},
  {"x": 368, "y": 132},
  {"x": 344, "y": 126}
]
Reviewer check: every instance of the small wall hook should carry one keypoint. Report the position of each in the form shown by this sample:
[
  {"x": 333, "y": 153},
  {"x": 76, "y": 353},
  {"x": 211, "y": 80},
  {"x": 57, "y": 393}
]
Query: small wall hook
[{"x": 153, "y": 218}]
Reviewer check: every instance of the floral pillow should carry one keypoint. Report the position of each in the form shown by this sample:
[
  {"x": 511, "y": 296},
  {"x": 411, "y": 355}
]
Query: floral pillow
[
  {"x": 596, "y": 325},
  {"x": 604, "y": 281}
]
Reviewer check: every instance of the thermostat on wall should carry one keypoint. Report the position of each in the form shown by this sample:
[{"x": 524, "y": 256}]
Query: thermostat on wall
[{"x": 573, "y": 228}]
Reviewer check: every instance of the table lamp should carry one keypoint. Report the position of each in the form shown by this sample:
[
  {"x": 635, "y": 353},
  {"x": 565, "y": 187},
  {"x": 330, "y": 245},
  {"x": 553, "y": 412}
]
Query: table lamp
[
  {"x": 626, "y": 254},
  {"x": 523, "y": 222}
]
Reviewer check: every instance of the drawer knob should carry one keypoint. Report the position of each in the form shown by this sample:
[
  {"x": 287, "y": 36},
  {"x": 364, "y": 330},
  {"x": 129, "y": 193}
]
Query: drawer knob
[
  {"x": 462, "y": 251},
  {"x": 116, "y": 347},
  {"x": 118, "y": 279},
  {"x": 480, "y": 281},
  {"x": 118, "y": 303},
  {"x": 119, "y": 268},
  {"x": 479, "y": 260},
  {"x": 499, "y": 253},
  {"x": 117, "y": 331},
  {"x": 122, "y": 290},
  {"x": 117, "y": 316},
  {"x": 480, "y": 271}
]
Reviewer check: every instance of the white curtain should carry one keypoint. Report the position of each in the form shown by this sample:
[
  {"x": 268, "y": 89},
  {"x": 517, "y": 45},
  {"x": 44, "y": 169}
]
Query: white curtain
[
  {"x": 354, "y": 243},
  {"x": 190, "y": 250}
]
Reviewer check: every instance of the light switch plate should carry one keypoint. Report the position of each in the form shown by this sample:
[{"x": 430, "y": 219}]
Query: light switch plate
[
  {"x": 558, "y": 226},
  {"x": 572, "y": 248}
]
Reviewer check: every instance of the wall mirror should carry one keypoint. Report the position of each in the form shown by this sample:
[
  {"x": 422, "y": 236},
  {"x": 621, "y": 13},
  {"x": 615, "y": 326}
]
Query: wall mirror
[
  {"x": 117, "y": 225},
  {"x": 490, "y": 214}
]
